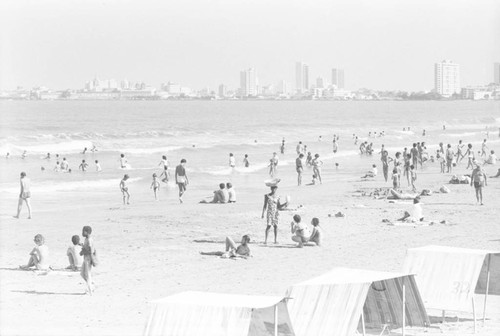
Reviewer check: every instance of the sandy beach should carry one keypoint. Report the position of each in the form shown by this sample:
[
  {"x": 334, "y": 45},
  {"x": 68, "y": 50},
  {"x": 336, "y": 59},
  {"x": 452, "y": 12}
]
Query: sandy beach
[{"x": 148, "y": 251}]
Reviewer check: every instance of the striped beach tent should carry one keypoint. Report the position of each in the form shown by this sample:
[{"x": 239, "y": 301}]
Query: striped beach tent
[{"x": 345, "y": 300}]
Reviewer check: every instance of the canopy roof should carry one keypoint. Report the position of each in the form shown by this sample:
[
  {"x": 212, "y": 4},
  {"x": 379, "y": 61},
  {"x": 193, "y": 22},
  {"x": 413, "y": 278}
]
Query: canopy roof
[{"x": 195, "y": 298}]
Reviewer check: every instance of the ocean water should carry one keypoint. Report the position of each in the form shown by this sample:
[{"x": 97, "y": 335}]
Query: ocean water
[{"x": 205, "y": 132}]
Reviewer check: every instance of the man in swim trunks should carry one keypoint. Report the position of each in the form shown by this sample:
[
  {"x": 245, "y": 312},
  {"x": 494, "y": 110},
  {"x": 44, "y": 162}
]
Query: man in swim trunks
[
  {"x": 300, "y": 168},
  {"x": 24, "y": 195},
  {"x": 478, "y": 178},
  {"x": 181, "y": 178}
]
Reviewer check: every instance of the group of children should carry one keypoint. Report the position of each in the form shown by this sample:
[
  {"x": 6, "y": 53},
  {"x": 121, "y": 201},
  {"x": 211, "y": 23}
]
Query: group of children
[{"x": 82, "y": 257}]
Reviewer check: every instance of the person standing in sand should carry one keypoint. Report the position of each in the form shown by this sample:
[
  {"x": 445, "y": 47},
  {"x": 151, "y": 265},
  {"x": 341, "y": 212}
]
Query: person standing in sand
[
  {"x": 316, "y": 164},
  {"x": 155, "y": 185},
  {"x": 88, "y": 253},
  {"x": 246, "y": 163},
  {"x": 124, "y": 189},
  {"x": 181, "y": 178},
  {"x": 484, "y": 148},
  {"x": 24, "y": 195},
  {"x": 478, "y": 178},
  {"x": 271, "y": 202},
  {"x": 300, "y": 168},
  {"x": 449, "y": 158}
]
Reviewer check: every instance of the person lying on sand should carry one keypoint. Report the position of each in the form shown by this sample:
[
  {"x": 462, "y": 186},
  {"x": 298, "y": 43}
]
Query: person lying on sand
[
  {"x": 220, "y": 196},
  {"x": 39, "y": 256},
  {"x": 393, "y": 194},
  {"x": 232, "y": 251},
  {"x": 497, "y": 175},
  {"x": 415, "y": 214}
]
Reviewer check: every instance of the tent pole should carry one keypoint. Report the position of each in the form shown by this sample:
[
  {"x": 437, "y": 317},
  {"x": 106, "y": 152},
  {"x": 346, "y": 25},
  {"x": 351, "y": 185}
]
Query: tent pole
[
  {"x": 474, "y": 313},
  {"x": 363, "y": 322},
  {"x": 487, "y": 288},
  {"x": 276, "y": 320},
  {"x": 404, "y": 306}
]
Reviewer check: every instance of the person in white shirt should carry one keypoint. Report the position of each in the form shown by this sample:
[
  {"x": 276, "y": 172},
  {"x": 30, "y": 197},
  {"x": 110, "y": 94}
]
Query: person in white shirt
[
  {"x": 492, "y": 158},
  {"x": 372, "y": 173},
  {"x": 415, "y": 214},
  {"x": 231, "y": 192},
  {"x": 232, "y": 160}
]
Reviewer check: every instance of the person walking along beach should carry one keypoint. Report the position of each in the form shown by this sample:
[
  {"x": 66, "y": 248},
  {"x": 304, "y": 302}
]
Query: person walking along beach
[
  {"x": 24, "y": 195},
  {"x": 478, "y": 178},
  {"x": 181, "y": 178}
]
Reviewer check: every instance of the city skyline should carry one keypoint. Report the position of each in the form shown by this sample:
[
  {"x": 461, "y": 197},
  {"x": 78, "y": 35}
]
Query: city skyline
[{"x": 382, "y": 45}]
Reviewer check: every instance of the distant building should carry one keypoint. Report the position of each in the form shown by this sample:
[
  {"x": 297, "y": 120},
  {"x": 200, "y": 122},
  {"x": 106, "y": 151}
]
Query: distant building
[
  {"x": 447, "y": 78},
  {"x": 496, "y": 73},
  {"x": 320, "y": 83},
  {"x": 222, "y": 91},
  {"x": 284, "y": 88},
  {"x": 248, "y": 83},
  {"x": 125, "y": 85},
  {"x": 338, "y": 78},
  {"x": 301, "y": 77}
]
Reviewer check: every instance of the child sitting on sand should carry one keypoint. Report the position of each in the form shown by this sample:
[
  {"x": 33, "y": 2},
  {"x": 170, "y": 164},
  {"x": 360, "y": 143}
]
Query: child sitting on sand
[
  {"x": 220, "y": 196},
  {"x": 316, "y": 233},
  {"x": 300, "y": 231},
  {"x": 231, "y": 193},
  {"x": 39, "y": 256},
  {"x": 73, "y": 253},
  {"x": 242, "y": 251}
]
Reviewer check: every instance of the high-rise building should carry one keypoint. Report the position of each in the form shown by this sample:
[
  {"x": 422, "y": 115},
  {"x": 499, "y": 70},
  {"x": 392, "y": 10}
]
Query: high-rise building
[
  {"x": 222, "y": 90},
  {"x": 447, "y": 78},
  {"x": 301, "y": 77},
  {"x": 320, "y": 83},
  {"x": 284, "y": 87},
  {"x": 496, "y": 73},
  {"x": 248, "y": 82},
  {"x": 338, "y": 78}
]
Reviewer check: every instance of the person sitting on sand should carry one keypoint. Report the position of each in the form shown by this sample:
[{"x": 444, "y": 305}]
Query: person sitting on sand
[
  {"x": 73, "y": 253},
  {"x": 220, "y": 196},
  {"x": 492, "y": 158},
  {"x": 415, "y": 214},
  {"x": 233, "y": 251},
  {"x": 300, "y": 231},
  {"x": 314, "y": 180},
  {"x": 231, "y": 192},
  {"x": 39, "y": 256},
  {"x": 371, "y": 173},
  {"x": 316, "y": 234}
]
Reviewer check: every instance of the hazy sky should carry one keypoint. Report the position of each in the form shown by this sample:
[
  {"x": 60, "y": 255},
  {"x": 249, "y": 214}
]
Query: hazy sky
[{"x": 386, "y": 44}]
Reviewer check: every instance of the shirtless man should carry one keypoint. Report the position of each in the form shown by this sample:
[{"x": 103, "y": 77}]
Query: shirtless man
[
  {"x": 181, "y": 178},
  {"x": 24, "y": 195}
]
